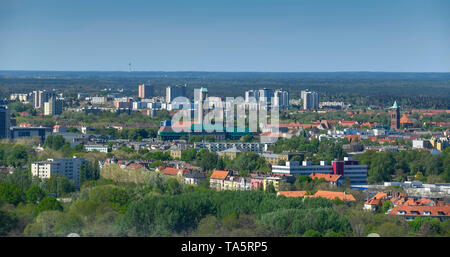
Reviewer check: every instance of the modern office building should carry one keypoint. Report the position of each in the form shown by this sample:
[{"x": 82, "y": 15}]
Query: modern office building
[
  {"x": 356, "y": 173},
  {"x": 20, "y": 132},
  {"x": 145, "y": 91},
  {"x": 173, "y": 92},
  {"x": 310, "y": 99},
  {"x": 4, "y": 122},
  {"x": 68, "y": 167}
]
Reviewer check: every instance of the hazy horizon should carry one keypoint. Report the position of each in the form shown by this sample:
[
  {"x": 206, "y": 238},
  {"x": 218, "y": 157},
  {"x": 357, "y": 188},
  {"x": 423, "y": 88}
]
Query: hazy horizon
[{"x": 226, "y": 36}]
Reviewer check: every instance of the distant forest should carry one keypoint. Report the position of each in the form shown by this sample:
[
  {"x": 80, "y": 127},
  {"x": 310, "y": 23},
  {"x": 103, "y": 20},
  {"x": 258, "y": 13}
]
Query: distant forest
[{"x": 410, "y": 90}]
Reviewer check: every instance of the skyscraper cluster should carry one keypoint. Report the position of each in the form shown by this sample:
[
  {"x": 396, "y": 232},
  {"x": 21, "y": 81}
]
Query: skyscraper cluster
[{"x": 265, "y": 96}]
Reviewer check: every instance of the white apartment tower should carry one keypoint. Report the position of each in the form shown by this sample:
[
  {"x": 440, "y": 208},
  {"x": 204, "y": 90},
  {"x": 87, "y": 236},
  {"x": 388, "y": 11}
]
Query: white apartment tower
[{"x": 310, "y": 99}]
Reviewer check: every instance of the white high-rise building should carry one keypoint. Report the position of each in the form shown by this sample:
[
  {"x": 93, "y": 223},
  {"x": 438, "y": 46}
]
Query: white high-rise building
[
  {"x": 173, "y": 92},
  {"x": 251, "y": 94},
  {"x": 281, "y": 98},
  {"x": 68, "y": 167},
  {"x": 40, "y": 97},
  {"x": 310, "y": 99},
  {"x": 53, "y": 106},
  {"x": 265, "y": 95}
]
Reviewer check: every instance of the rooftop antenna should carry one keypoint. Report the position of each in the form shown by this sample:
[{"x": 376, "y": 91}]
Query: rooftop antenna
[{"x": 129, "y": 67}]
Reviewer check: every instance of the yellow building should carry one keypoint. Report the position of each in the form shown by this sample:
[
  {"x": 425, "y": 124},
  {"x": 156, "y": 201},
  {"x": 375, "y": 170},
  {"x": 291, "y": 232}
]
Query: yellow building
[
  {"x": 175, "y": 153},
  {"x": 230, "y": 153},
  {"x": 270, "y": 158},
  {"x": 274, "y": 180}
]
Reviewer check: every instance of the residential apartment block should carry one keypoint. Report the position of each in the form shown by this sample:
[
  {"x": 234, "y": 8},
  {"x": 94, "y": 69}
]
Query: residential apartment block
[{"x": 68, "y": 167}]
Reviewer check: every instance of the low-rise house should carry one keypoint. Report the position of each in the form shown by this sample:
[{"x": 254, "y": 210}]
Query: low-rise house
[
  {"x": 292, "y": 193},
  {"x": 274, "y": 180},
  {"x": 334, "y": 179},
  {"x": 257, "y": 182},
  {"x": 410, "y": 212},
  {"x": 175, "y": 153},
  {"x": 375, "y": 202},
  {"x": 174, "y": 171},
  {"x": 237, "y": 183},
  {"x": 270, "y": 158},
  {"x": 217, "y": 179},
  {"x": 331, "y": 195},
  {"x": 193, "y": 177}
]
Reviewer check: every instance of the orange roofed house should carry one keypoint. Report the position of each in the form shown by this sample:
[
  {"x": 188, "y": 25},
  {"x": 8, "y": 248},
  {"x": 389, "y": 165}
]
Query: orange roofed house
[
  {"x": 375, "y": 202},
  {"x": 331, "y": 195},
  {"x": 174, "y": 171},
  {"x": 410, "y": 212},
  {"x": 292, "y": 193},
  {"x": 217, "y": 179},
  {"x": 334, "y": 179}
]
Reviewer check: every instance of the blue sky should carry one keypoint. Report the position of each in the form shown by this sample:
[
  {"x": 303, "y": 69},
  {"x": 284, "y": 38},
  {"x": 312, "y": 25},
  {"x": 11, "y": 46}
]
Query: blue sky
[{"x": 226, "y": 35}]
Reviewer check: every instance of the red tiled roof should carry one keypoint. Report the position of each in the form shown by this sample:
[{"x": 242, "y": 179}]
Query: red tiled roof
[
  {"x": 219, "y": 174},
  {"x": 419, "y": 210},
  {"x": 333, "y": 195},
  {"x": 192, "y": 167},
  {"x": 135, "y": 165},
  {"x": 380, "y": 195},
  {"x": 404, "y": 119},
  {"x": 327, "y": 177},
  {"x": 172, "y": 171},
  {"x": 292, "y": 193}
]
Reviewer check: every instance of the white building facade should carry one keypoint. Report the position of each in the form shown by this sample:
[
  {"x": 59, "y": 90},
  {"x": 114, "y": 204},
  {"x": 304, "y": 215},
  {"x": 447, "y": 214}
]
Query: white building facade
[{"x": 68, "y": 167}]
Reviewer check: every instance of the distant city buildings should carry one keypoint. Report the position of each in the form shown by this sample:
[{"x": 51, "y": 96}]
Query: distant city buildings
[
  {"x": 145, "y": 91},
  {"x": 173, "y": 92},
  {"x": 310, "y": 99},
  {"x": 333, "y": 105},
  {"x": 266, "y": 97},
  {"x": 99, "y": 100},
  {"x": 24, "y": 98}
]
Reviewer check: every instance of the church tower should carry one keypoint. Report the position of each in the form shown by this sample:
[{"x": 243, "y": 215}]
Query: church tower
[{"x": 395, "y": 116}]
